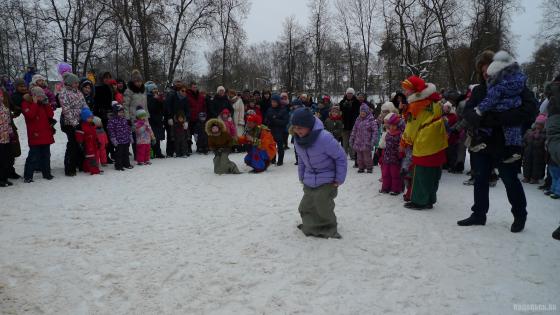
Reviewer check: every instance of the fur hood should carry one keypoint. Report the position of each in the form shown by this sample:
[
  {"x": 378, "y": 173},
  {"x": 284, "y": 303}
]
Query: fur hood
[
  {"x": 510, "y": 70},
  {"x": 215, "y": 122},
  {"x": 429, "y": 90}
]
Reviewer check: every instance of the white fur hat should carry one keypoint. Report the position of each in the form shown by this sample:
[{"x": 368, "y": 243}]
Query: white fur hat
[
  {"x": 502, "y": 60},
  {"x": 389, "y": 107},
  {"x": 220, "y": 88},
  {"x": 350, "y": 91}
]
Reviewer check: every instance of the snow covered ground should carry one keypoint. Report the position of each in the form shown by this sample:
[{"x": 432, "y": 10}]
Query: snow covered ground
[{"x": 173, "y": 238}]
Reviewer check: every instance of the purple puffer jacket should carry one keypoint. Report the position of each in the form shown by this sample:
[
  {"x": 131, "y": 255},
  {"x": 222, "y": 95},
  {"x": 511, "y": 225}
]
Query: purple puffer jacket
[
  {"x": 324, "y": 162},
  {"x": 391, "y": 154},
  {"x": 364, "y": 133},
  {"x": 119, "y": 130}
]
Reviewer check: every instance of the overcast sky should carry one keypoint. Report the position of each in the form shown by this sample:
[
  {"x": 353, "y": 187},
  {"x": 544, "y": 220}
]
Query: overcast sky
[{"x": 266, "y": 17}]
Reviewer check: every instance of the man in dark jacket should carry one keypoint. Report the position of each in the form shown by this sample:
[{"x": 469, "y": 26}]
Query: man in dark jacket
[
  {"x": 175, "y": 103},
  {"x": 219, "y": 103},
  {"x": 350, "y": 107},
  {"x": 277, "y": 119},
  {"x": 264, "y": 103},
  {"x": 486, "y": 159}
]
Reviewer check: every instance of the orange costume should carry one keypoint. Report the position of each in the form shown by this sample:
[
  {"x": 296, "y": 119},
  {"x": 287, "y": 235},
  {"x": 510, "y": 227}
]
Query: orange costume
[{"x": 262, "y": 147}]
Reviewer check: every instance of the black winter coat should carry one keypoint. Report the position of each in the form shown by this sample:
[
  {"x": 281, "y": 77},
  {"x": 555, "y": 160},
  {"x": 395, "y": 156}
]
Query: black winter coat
[
  {"x": 276, "y": 120},
  {"x": 103, "y": 101},
  {"x": 175, "y": 105},
  {"x": 157, "y": 117},
  {"x": 350, "y": 112},
  {"x": 219, "y": 103}
]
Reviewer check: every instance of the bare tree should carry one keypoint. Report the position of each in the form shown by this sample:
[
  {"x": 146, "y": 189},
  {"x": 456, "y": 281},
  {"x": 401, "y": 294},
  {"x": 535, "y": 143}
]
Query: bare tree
[
  {"x": 318, "y": 30},
  {"x": 190, "y": 19},
  {"x": 229, "y": 17},
  {"x": 363, "y": 17},
  {"x": 551, "y": 19},
  {"x": 344, "y": 28}
]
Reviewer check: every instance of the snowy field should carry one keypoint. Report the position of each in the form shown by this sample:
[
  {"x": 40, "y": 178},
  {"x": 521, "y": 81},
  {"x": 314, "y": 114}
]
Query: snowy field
[{"x": 173, "y": 238}]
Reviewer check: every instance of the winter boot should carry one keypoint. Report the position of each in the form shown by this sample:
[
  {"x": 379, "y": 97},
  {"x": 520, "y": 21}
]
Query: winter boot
[
  {"x": 556, "y": 234},
  {"x": 472, "y": 220},
  {"x": 518, "y": 224}
]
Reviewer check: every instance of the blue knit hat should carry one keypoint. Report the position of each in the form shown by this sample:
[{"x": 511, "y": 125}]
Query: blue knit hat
[
  {"x": 150, "y": 87},
  {"x": 85, "y": 114},
  {"x": 276, "y": 98},
  {"x": 303, "y": 117}
]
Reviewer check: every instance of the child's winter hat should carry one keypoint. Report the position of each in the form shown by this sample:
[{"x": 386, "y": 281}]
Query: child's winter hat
[
  {"x": 85, "y": 114},
  {"x": 541, "y": 119},
  {"x": 502, "y": 60},
  {"x": 64, "y": 68},
  {"x": 350, "y": 91},
  {"x": 364, "y": 108},
  {"x": 37, "y": 92},
  {"x": 150, "y": 87},
  {"x": 36, "y": 78},
  {"x": 117, "y": 107},
  {"x": 225, "y": 112},
  {"x": 85, "y": 83},
  {"x": 220, "y": 88},
  {"x": 141, "y": 113},
  {"x": 70, "y": 79},
  {"x": 136, "y": 76},
  {"x": 276, "y": 98},
  {"x": 97, "y": 121},
  {"x": 255, "y": 119},
  {"x": 303, "y": 117},
  {"x": 389, "y": 107},
  {"x": 392, "y": 119},
  {"x": 335, "y": 108}
]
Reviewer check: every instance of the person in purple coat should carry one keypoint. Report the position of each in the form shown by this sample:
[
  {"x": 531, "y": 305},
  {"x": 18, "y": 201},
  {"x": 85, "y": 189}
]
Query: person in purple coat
[
  {"x": 120, "y": 135},
  {"x": 322, "y": 169}
]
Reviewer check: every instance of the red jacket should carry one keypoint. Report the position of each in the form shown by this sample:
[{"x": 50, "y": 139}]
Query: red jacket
[
  {"x": 197, "y": 104},
  {"x": 88, "y": 136},
  {"x": 39, "y": 129}
]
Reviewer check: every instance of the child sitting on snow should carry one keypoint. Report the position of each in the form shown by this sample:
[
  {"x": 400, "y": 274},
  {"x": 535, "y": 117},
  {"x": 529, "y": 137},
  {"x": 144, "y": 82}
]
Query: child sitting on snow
[
  {"x": 144, "y": 137},
  {"x": 102, "y": 140},
  {"x": 181, "y": 134},
  {"x": 86, "y": 136},
  {"x": 505, "y": 85},
  {"x": 221, "y": 142},
  {"x": 391, "y": 161}
]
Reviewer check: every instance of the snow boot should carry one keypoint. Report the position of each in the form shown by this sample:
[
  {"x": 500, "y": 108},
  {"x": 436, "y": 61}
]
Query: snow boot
[
  {"x": 411, "y": 205},
  {"x": 518, "y": 224},
  {"x": 472, "y": 220},
  {"x": 556, "y": 234}
]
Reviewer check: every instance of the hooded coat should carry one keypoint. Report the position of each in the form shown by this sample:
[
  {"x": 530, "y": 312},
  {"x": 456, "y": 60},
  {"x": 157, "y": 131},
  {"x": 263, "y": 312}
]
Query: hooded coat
[
  {"x": 221, "y": 145},
  {"x": 37, "y": 120},
  {"x": 364, "y": 132},
  {"x": 72, "y": 102},
  {"x": 323, "y": 161},
  {"x": 134, "y": 97}
]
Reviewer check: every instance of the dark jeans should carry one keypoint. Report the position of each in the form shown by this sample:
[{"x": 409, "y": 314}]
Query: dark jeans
[
  {"x": 73, "y": 156},
  {"x": 121, "y": 156},
  {"x": 280, "y": 145},
  {"x": 5, "y": 160},
  {"x": 39, "y": 157},
  {"x": 483, "y": 165},
  {"x": 157, "y": 149}
]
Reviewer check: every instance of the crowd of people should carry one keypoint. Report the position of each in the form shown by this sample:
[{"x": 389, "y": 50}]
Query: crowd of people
[{"x": 412, "y": 138}]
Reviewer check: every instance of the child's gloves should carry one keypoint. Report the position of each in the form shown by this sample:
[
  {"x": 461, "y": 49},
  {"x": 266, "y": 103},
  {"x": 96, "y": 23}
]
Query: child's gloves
[{"x": 170, "y": 122}]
